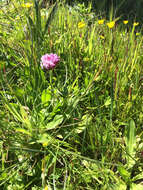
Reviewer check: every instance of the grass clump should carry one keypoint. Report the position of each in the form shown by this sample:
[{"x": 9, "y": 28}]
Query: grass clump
[{"x": 79, "y": 125}]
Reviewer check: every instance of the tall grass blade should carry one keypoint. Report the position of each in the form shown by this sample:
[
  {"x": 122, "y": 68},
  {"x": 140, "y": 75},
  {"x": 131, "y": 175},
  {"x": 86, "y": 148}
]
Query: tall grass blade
[
  {"x": 50, "y": 17},
  {"x": 38, "y": 18},
  {"x": 31, "y": 26},
  {"x": 91, "y": 41}
]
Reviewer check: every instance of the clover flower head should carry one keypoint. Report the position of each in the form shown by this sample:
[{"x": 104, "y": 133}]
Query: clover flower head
[{"x": 49, "y": 61}]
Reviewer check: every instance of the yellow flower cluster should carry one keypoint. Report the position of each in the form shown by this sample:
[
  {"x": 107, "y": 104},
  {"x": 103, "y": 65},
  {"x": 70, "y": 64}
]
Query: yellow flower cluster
[
  {"x": 109, "y": 24},
  {"x": 134, "y": 24},
  {"x": 27, "y": 5}
]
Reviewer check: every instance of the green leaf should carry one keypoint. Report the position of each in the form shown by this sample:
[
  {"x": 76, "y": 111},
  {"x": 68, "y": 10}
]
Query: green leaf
[
  {"x": 45, "y": 139},
  {"x": 50, "y": 17},
  {"x": 32, "y": 29},
  {"x": 124, "y": 173},
  {"x": 130, "y": 143},
  {"x": 19, "y": 92},
  {"x": 37, "y": 9},
  {"x": 46, "y": 97},
  {"x": 14, "y": 110},
  {"x": 3, "y": 176},
  {"x": 58, "y": 119},
  {"x": 25, "y": 118},
  {"x": 22, "y": 131},
  {"x": 138, "y": 177},
  {"x": 86, "y": 120},
  {"x": 38, "y": 19},
  {"x": 120, "y": 186},
  {"x": 90, "y": 41},
  {"x": 136, "y": 187},
  {"x": 107, "y": 102}
]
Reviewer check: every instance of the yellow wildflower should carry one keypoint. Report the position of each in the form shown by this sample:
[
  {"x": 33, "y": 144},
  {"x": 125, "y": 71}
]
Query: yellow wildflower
[
  {"x": 81, "y": 24},
  {"x": 137, "y": 34},
  {"x": 101, "y": 21},
  {"x": 111, "y": 24},
  {"x": 125, "y": 21},
  {"x": 102, "y": 37},
  {"x": 136, "y": 24},
  {"x": 45, "y": 144},
  {"x": 46, "y": 187},
  {"x": 27, "y": 5}
]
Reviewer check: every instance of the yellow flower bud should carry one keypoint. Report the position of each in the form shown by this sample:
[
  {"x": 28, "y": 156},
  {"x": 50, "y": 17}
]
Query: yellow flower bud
[
  {"x": 125, "y": 21},
  {"x": 136, "y": 24}
]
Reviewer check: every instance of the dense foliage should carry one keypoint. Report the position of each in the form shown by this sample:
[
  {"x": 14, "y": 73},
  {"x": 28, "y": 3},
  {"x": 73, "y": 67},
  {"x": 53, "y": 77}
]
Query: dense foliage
[{"x": 77, "y": 124}]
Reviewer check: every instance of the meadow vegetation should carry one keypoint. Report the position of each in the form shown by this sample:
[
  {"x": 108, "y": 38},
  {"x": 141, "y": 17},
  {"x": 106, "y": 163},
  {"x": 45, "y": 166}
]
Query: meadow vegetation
[{"x": 78, "y": 126}]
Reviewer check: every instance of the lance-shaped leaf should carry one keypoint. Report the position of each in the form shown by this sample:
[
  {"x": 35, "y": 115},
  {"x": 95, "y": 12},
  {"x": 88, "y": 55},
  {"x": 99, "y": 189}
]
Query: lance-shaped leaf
[
  {"x": 50, "y": 17},
  {"x": 131, "y": 143}
]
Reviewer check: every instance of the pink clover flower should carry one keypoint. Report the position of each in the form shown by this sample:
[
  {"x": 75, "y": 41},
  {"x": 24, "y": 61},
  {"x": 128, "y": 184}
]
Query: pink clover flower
[{"x": 49, "y": 61}]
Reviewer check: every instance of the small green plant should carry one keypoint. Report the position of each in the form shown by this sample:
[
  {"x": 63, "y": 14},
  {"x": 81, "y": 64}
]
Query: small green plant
[
  {"x": 131, "y": 171},
  {"x": 70, "y": 98}
]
